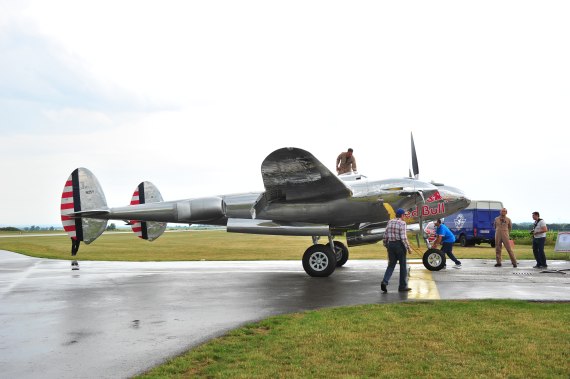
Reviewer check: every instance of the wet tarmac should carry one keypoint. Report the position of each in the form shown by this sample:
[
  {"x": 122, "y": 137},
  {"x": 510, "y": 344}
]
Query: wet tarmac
[{"x": 117, "y": 319}]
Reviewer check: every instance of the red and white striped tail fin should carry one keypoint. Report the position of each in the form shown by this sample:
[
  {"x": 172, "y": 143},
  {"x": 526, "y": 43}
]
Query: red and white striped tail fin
[
  {"x": 70, "y": 225},
  {"x": 145, "y": 193},
  {"x": 82, "y": 192}
]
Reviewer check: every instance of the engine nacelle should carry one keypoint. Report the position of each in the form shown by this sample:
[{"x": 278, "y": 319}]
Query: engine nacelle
[{"x": 204, "y": 209}]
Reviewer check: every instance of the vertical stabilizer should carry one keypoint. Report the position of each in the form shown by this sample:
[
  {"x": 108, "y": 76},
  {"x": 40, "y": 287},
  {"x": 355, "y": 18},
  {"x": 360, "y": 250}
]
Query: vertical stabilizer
[
  {"x": 82, "y": 192},
  {"x": 146, "y": 193}
]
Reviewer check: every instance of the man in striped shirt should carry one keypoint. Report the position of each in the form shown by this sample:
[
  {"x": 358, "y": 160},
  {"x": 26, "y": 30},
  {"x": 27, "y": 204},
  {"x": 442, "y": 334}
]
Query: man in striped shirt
[{"x": 396, "y": 240}]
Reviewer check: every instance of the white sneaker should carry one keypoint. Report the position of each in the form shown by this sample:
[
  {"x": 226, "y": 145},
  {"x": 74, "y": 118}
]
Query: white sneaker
[{"x": 458, "y": 265}]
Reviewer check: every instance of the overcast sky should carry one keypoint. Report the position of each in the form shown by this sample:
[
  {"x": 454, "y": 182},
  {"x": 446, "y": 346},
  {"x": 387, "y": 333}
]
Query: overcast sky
[{"x": 193, "y": 95}]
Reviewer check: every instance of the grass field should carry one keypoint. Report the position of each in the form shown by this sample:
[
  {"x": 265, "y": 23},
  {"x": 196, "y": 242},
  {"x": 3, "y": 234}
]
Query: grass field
[
  {"x": 445, "y": 339},
  {"x": 214, "y": 245}
]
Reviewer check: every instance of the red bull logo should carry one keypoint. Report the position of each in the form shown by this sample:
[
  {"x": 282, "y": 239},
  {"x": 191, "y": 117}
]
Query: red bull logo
[
  {"x": 427, "y": 211},
  {"x": 435, "y": 197}
]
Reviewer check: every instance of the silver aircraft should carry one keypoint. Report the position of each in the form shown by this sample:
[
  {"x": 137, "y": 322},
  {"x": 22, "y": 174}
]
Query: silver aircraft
[{"x": 301, "y": 198}]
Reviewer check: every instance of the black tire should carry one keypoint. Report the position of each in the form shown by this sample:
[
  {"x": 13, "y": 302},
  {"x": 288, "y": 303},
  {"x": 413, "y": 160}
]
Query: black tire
[
  {"x": 341, "y": 253},
  {"x": 463, "y": 240},
  {"x": 319, "y": 261},
  {"x": 492, "y": 242},
  {"x": 433, "y": 259}
]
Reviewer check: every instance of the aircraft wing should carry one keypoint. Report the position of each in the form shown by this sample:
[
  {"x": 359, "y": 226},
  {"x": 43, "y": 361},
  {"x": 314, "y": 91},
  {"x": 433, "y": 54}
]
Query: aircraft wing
[{"x": 292, "y": 174}]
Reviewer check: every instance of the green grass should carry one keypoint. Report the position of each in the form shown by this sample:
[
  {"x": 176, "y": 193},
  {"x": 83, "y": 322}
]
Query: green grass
[
  {"x": 216, "y": 245},
  {"x": 444, "y": 339}
]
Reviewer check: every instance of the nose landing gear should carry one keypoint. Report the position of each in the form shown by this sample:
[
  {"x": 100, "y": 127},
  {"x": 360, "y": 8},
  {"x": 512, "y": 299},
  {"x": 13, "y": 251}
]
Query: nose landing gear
[{"x": 433, "y": 259}]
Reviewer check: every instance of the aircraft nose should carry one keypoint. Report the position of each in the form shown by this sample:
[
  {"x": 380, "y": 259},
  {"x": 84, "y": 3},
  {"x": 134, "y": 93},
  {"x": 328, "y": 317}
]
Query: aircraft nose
[
  {"x": 456, "y": 199},
  {"x": 460, "y": 201}
]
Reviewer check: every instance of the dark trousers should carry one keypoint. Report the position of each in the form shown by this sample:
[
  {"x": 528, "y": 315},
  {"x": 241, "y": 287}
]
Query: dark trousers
[
  {"x": 397, "y": 252},
  {"x": 447, "y": 249},
  {"x": 538, "y": 250}
]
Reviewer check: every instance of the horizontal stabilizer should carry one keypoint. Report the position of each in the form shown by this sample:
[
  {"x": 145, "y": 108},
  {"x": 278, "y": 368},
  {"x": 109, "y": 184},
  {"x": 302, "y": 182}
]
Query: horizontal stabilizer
[{"x": 92, "y": 213}]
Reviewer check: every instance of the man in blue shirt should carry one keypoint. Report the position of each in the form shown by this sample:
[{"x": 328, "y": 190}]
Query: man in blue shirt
[{"x": 446, "y": 238}]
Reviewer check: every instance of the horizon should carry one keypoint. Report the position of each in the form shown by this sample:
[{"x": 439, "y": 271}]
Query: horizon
[{"x": 170, "y": 225}]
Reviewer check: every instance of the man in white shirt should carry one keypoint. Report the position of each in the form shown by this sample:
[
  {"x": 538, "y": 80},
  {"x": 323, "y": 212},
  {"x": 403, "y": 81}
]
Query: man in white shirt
[{"x": 539, "y": 238}]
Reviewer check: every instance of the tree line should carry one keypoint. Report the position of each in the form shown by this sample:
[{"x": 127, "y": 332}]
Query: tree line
[
  {"x": 552, "y": 227},
  {"x": 33, "y": 228},
  {"x": 36, "y": 228}
]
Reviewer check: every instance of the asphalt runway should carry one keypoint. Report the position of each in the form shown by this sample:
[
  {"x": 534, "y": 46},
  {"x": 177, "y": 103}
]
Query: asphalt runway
[{"x": 117, "y": 319}]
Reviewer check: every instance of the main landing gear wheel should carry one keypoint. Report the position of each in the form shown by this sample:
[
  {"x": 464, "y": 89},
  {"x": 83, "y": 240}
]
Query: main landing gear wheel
[
  {"x": 341, "y": 253},
  {"x": 434, "y": 260},
  {"x": 319, "y": 261}
]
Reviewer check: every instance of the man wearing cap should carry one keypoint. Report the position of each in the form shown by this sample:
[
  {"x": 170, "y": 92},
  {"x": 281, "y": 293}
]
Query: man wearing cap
[
  {"x": 345, "y": 162},
  {"x": 446, "y": 238},
  {"x": 396, "y": 240}
]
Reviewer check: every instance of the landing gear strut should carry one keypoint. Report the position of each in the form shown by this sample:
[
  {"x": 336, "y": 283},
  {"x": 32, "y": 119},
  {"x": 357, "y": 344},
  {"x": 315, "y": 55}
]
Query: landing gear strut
[
  {"x": 341, "y": 252},
  {"x": 74, "y": 249}
]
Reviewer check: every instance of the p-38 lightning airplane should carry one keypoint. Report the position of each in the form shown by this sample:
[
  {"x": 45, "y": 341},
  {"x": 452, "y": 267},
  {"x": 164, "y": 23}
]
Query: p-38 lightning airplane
[{"x": 301, "y": 198}]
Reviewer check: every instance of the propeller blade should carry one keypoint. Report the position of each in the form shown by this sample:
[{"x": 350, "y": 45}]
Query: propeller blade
[{"x": 415, "y": 165}]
